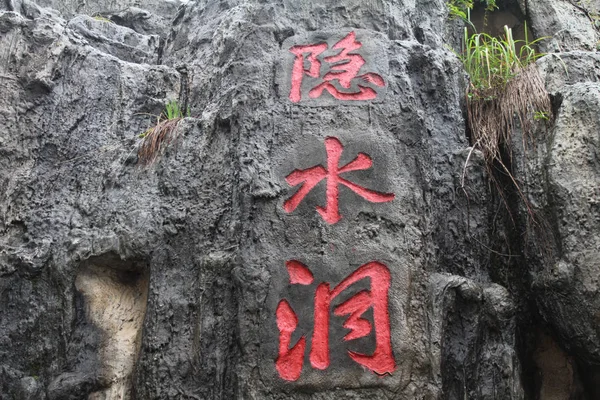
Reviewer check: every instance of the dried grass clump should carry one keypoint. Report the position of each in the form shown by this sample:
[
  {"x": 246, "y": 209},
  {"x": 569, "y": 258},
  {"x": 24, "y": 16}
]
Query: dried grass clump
[
  {"x": 157, "y": 137},
  {"x": 505, "y": 91},
  {"x": 492, "y": 119}
]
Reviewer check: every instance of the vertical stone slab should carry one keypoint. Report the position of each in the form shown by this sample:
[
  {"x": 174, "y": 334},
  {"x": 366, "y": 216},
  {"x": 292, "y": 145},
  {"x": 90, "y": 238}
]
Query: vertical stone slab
[
  {"x": 339, "y": 219},
  {"x": 333, "y": 251}
]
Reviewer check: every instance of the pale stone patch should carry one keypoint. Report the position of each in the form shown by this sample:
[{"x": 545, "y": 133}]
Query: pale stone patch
[{"x": 115, "y": 301}]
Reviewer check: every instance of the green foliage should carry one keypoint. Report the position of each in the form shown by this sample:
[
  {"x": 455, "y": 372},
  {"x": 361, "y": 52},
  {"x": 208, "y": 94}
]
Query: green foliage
[
  {"x": 492, "y": 62},
  {"x": 504, "y": 91},
  {"x": 461, "y": 8},
  {"x": 541, "y": 116},
  {"x": 102, "y": 19},
  {"x": 173, "y": 110},
  {"x": 163, "y": 132}
]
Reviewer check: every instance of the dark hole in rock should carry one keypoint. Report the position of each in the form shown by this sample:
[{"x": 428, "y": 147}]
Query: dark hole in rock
[
  {"x": 492, "y": 22},
  {"x": 557, "y": 377}
]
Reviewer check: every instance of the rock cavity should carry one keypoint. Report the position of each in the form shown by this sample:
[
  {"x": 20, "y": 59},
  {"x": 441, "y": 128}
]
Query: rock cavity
[{"x": 115, "y": 301}]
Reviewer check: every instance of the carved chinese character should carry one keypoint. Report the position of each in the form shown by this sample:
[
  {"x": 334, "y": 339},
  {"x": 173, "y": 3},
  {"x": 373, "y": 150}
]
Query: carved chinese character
[
  {"x": 290, "y": 360},
  {"x": 311, "y": 176},
  {"x": 342, "y": 81}
]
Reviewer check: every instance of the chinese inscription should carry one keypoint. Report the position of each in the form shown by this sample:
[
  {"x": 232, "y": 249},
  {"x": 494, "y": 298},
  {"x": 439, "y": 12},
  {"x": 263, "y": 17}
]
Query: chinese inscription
[
  {"x": 342, "y": 81},
  {"x": 332, "y": 72},
  {"x": 310, "y": 177},
  {"x": 291, "y": 359}
]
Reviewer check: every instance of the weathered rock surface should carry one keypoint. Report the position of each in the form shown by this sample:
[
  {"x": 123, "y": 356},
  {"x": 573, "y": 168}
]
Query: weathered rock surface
[
  {"x": 563, "y": 177},
  {"x": 567, "y": 25},
  {"x": 162, "y": 282},
  {"x": 121, "y": 42},
  {"x": 163, "y": 9}
]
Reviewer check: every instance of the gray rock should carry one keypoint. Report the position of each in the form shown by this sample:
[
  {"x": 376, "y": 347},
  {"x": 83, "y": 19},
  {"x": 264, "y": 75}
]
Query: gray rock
[
  {"x": 566, "y": 25},
  {"x": 119, "y": 280},
  {"x": 116, "y": 40},
  {"x": 141, "y": 21},
  {"x": 559, "y": 70},
  {"x": 564, "y": 254},
  {"x": 475, "y": 314},
  {"x": 47, "y": 68},
  {"x": 69, "y": 8},
  {"x": 29, "y": 389}
]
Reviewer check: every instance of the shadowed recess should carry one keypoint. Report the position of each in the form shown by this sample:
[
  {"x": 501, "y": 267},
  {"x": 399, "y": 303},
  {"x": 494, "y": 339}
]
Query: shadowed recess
[{"x": 115, "y": 299}]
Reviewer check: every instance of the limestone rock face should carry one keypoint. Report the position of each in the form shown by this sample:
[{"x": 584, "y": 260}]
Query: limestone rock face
[
  {"x": 69, "y": 8},
  {"x": 394, "y": 272},
  {"x": 562, "y": 177},
  {"x": 568, "y": 25}
]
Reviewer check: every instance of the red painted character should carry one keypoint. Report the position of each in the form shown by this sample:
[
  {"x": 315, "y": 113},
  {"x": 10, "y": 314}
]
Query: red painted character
[
  {"x": 290, "y": 360},
  {"x": 311, "y": 176},
  {"x": 344, "y": 70}
]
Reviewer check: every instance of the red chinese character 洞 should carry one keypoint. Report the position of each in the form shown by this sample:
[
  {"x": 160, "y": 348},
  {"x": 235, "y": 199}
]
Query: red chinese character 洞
[
  {"x": 290, "y": 360},
  {"x": 344, "y": 70},
  {"x": 310, "y": 177}
]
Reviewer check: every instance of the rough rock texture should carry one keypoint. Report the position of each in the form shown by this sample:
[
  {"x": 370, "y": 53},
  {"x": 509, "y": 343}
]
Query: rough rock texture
[
  {"x": 162, "y": 9},
  {"x": 123, "y": 43},
  {"x": 562, "y": 178},
  {"x": 568, "y": 25},
  {"x": 162, "y": 282}
]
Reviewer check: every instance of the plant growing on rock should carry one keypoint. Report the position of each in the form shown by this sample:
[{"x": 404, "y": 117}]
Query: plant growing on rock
[
  {"x": 160, "y": 134},
  {"x": 461, "y": 8},
  {"x": 102, "y": 18},
  {"x": 505, "y": 91}
]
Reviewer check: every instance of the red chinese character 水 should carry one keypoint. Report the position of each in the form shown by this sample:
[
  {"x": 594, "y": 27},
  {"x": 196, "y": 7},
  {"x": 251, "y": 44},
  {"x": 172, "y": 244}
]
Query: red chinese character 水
[
  {"x": 344, "y": 70},
  {"x": 290, "y": 360},
  {"x": 310, "y": 177}
]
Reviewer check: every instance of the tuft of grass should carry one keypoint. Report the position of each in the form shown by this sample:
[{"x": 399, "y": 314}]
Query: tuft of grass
[
  {"x": 505, "y": 91},
  {"x": 541, "y": 116},
  {"x": 102, "y": 19},
  {"x": 461, "y": 8},
  {"x": 158, "y": 136},
  {"x": 492, "y": 62},
  {"x": 173, "y": 110}
]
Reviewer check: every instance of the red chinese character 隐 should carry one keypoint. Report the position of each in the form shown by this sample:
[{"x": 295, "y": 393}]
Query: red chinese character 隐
[
  {"x": 290, "y": 360},
  {"x": 311, "y": 176},
  {"x": 344, "y": 70},
  {"x": 298, "y": 70}
]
